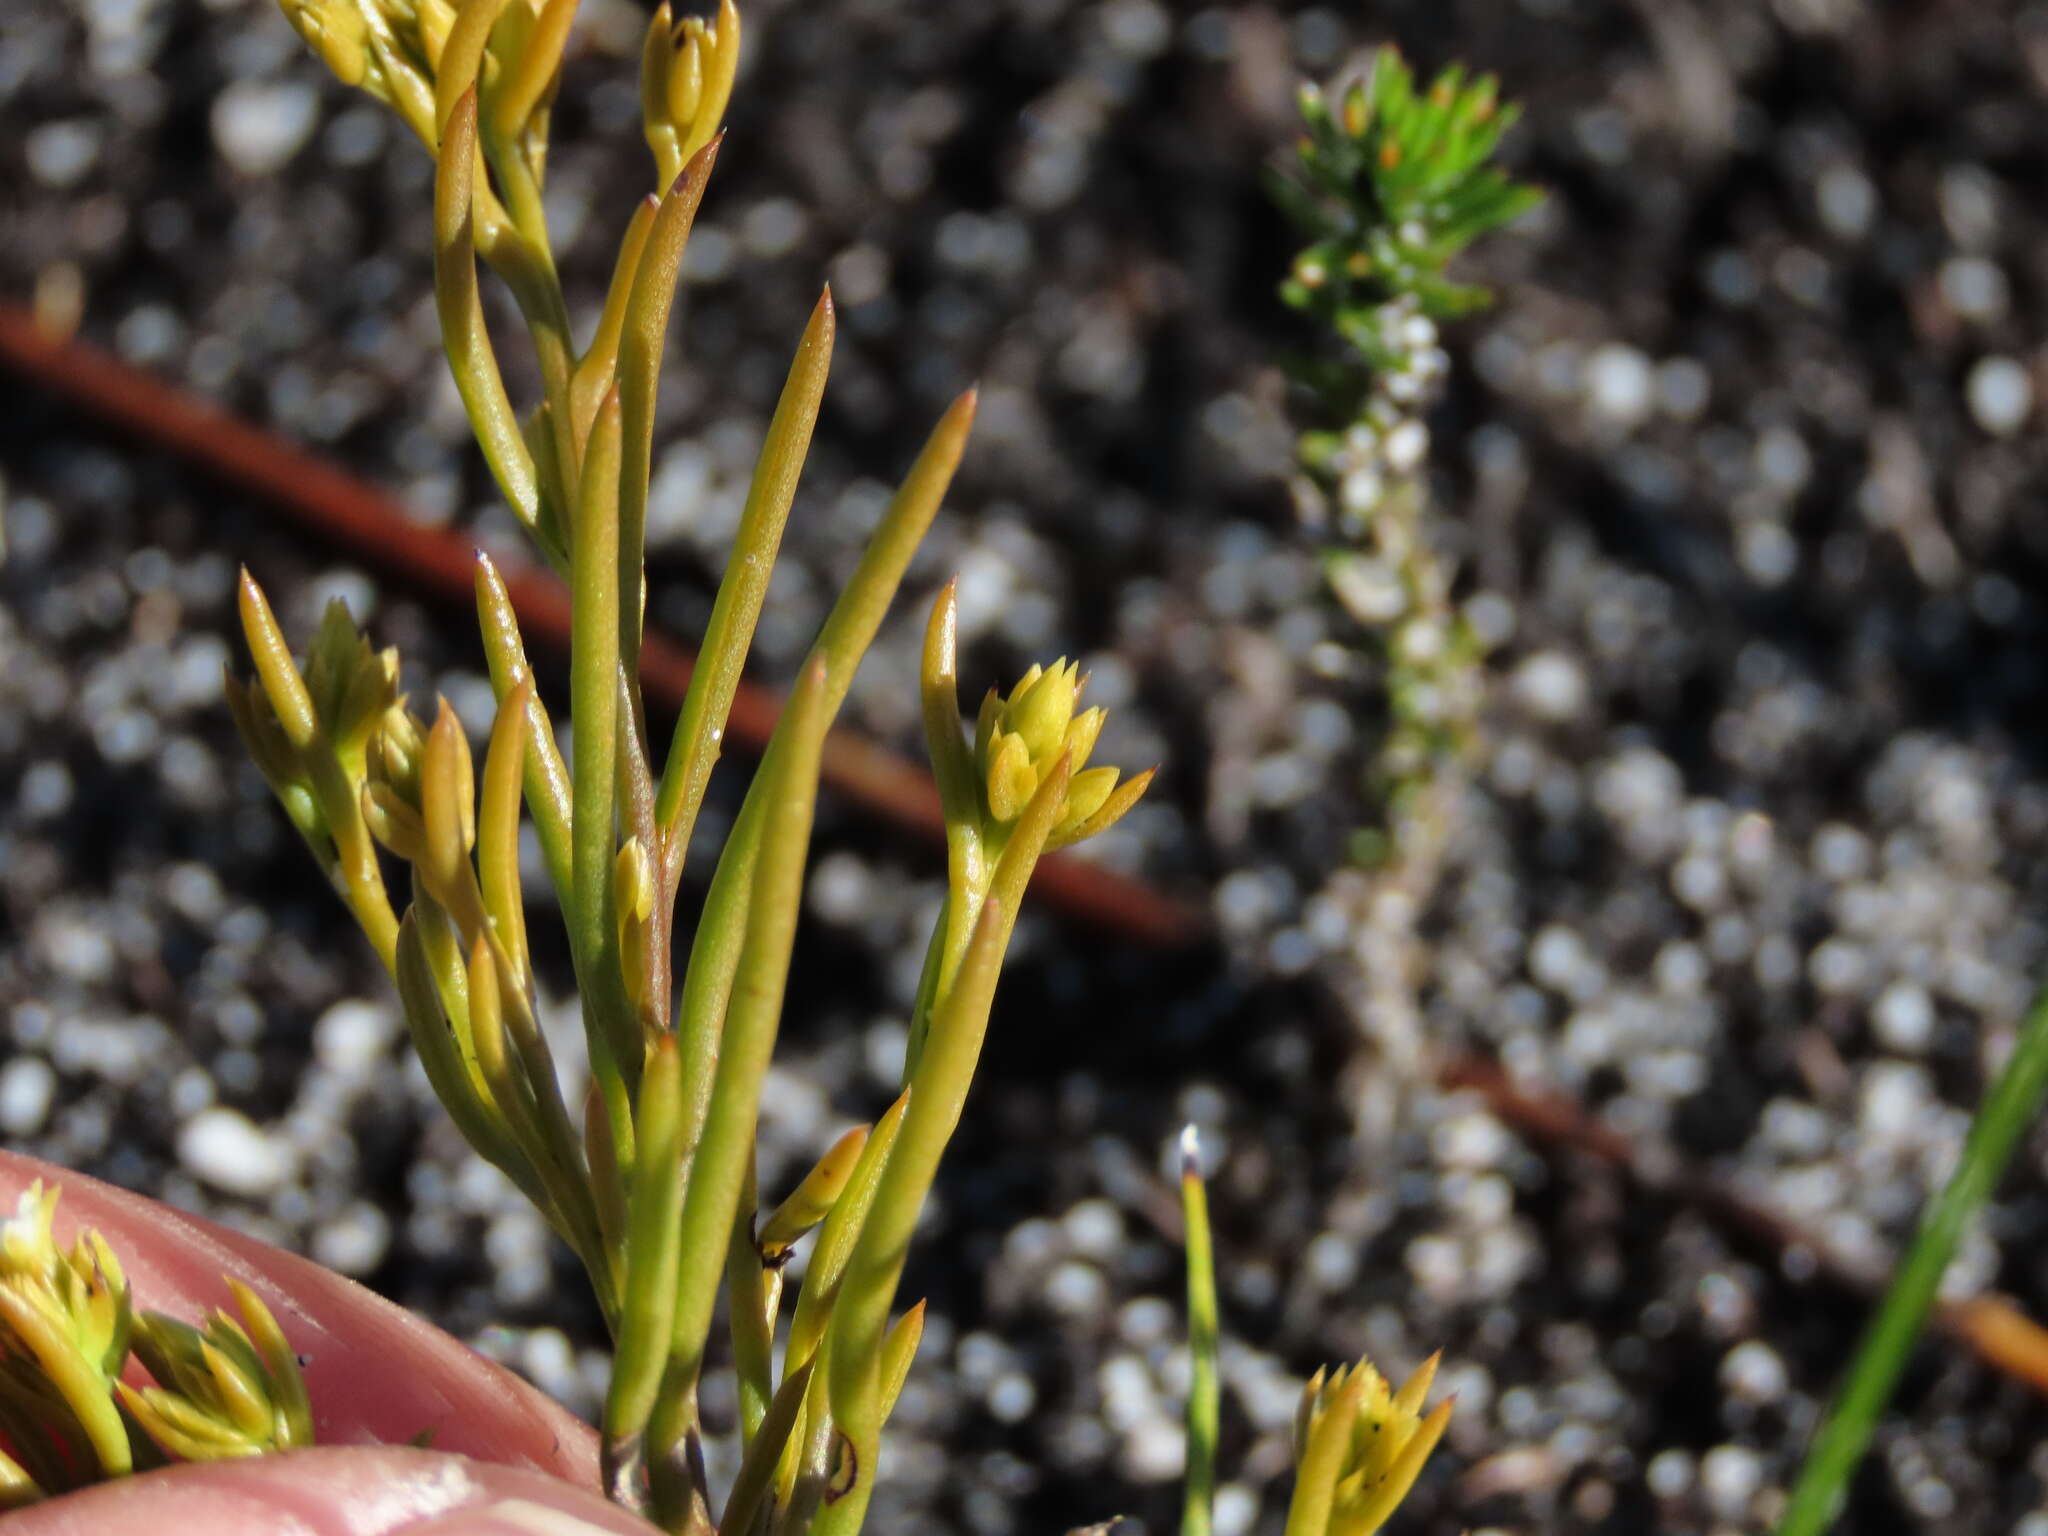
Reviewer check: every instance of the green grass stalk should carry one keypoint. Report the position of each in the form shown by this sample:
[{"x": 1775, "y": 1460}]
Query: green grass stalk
[
  {"x": 1198, "y": 1496},
  {"x": 2011, "y": 1106}
]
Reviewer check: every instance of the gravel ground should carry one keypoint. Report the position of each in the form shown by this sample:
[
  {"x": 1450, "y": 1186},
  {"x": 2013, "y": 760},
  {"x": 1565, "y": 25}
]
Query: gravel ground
[{"x": 1740, "y": 468}]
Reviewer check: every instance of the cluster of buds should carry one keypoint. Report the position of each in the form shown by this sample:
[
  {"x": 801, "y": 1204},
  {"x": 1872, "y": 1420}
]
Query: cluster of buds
[
  {"x": 1025, "y": 774},
  {"x": 232, "y": 1389},
  {"x": 310, "y": 735},
  {"x": 1021, "y": 739},
  {"x": 403, "y": 51},
  {"x": 358, "y": 771},
  {"x": 1359, "y": 1446},
  {"x": 67, "y": 1327},
  {"x": 686, "y": 75},
  {"x": 65, "y": 1324}
]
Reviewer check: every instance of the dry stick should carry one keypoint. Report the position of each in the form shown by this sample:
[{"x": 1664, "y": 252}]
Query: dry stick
[
  {"x": 2000, "y": 1335},
  {"x": 377, "y": 529}
]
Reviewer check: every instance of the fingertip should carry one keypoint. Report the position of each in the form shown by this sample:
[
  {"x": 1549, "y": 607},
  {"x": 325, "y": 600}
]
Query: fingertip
[{"x": 333, "y": 1491}]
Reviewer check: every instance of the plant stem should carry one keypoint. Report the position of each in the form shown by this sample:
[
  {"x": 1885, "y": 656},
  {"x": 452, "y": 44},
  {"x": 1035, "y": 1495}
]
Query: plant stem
[
  {"x": 2008, "y": 1109},
  {"x": 1198, "y": 1498}
]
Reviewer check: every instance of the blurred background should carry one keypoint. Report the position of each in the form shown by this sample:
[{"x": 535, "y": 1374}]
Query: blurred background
[{"x": 1742, "y": 901}]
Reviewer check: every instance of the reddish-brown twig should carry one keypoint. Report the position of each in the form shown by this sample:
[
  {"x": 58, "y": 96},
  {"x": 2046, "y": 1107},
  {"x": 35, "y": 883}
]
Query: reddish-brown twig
[
  {"x": 2001, "y": 1335},
  {"x": 373, "y": 527}
]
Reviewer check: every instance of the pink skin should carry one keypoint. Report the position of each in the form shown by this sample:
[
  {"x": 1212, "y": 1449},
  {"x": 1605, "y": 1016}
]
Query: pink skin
[{"x": 506, "y": 1461}]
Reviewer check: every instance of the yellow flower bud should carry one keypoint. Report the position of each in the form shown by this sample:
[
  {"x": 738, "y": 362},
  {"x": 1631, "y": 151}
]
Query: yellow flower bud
[
  {"x": 337, "y": 32},
  {"x": 685, "y": 84},
  {"x": 633, "y": 896},
  {"x": 1085, "y": 796},
  {"x": 1081, "y": 736},
  {"x": 1383, "y": 1441},
  {"x": 1041, "y": 711},
  {"x": 1012, "y": 778},
  {"x": 396, "y": 753}
]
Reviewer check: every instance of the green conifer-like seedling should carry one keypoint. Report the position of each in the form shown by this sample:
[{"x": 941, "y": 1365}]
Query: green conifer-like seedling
[{"x": 1390, "y": 184}]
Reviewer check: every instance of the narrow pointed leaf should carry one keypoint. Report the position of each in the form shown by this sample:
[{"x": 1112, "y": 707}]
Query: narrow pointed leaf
[
  {"x": 730, "y": 632},
  {"x": 464, "y": 335}
]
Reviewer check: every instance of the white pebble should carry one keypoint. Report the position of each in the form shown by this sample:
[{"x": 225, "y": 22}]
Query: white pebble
[
  {"x": 351, "y": 1037},
  {"x": 1753, "y": 1372},
  {"x": 1841, "y": 852},
  {"x": 1076, "y": 1289},
  {"x": 259, "y": 125},
  {"x": 1236, "y": 1508},
  {"x": 1137, "y": 29},
  {"x": 45, "y": 790},
  {"x": 1974, "y": 288},
  {"x": 1768, "y": 553},
  {"x": 2001, "y": 395},
  {"x": 772, "y": 228},
  {"x": 27, "y": 1084},
  {"x": 1095, "y": 1228},
  {"x": 222, "y": 1147},
  {"x": 355, "y": 1242},
  {"x": 1680, "y": 969},
  {"x": 841, "y": 890},
  {"x": 60, "y": 154},
  {"x": 1406, "y": 445},
  {"x": 1895, "y": 1101},
  {"x": 74, "y": 947},
  {"x": 1128, "y": 1396},
  {"x": 1332, "y": 1261},
  {"x": 1011, "y": 1397},
  {"x": 1147, "y": 1320},
  {"x": 1837, "y": 968},
  {"x": 1436, "y": 1266},
  {"x": 1848, "y": 202},
  {"x": 1669, "y": 1473},
  {"x": 1683, "y": 387},
  {"x": 1551, "y": 686},
  {"x": 883, "y": 1048},
  {"x": 1155, "y": 1451},
  {"x": 1796, "y": 1128},
  {"x": 1620, "y": 386},
  {"x": 1729, "y": 1477},
  {"x": 1471, "y": 1142},
  {"x": 1559, "y": 959},
  {"x": 1903, "y": 1018},
  {"x": 1700, "y": 881}
]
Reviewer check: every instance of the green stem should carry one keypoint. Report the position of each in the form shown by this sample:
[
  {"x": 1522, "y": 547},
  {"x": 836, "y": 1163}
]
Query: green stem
[
  {"x": 593, "y": 690},
  {"x": 2007, "y": 1111},
  {"x": 718, "y": 1168},
  {"x": 1199, "y": 1497}
]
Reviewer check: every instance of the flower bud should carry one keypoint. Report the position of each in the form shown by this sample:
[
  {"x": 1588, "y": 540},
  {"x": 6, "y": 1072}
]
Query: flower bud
[
  {"x": 812, "y": 1200},
  {"x": 1041, "y": 713},
  {"x": 1080, "y": 740},
  {"x": 229, "y": 1391},
  {"x": 1381, "y": 1441},
  {"x": 1012, "y": 779},
  {"x": 633, "y": 895},
  {"x": 336, "y": 30},
  {"x": 395, "y": 754}
]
